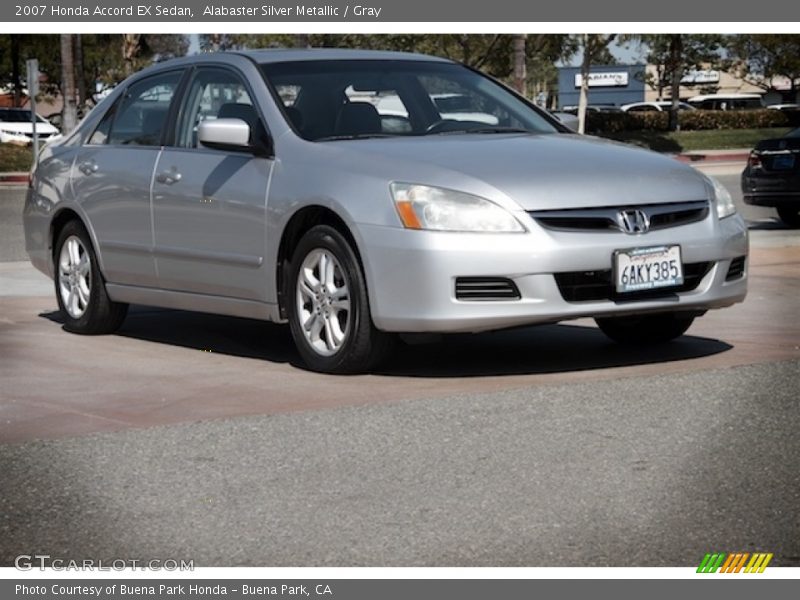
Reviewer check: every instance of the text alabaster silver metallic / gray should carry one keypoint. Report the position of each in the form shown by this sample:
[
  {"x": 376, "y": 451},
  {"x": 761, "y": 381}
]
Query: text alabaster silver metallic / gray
[{"x": 221, "y": 255}]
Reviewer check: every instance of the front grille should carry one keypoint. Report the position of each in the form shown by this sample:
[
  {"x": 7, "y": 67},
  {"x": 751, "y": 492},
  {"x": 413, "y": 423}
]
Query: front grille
[
  {"x": 486, "y": 288},
  {"x": 587, "y": 286},
  {"x": 736, "y": 270},
  {"x": 660, "y": 216}
]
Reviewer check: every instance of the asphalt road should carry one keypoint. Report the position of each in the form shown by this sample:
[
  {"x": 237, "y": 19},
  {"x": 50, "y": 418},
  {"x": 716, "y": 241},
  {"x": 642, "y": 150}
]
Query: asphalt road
[
  {"x": 635, "y": 471},
  {"x": 199, "y": 437}
]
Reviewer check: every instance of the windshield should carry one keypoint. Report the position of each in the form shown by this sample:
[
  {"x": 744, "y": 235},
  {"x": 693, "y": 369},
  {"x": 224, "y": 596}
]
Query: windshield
[
  {"x": 18, "y": 116},
  {"x": 350, "y": 99}
]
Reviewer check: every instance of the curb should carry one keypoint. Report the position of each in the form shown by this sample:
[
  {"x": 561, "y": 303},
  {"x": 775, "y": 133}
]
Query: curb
[
  {"x": 693, "y": 157},
  {"x": 13, "y": 178}
]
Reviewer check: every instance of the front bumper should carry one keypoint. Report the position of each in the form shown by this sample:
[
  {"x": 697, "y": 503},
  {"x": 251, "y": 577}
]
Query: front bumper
[{"x": 411, "y": 274}]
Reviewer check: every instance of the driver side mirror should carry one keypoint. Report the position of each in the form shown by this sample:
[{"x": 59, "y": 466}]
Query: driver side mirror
[{"x": 232, "y": 135}]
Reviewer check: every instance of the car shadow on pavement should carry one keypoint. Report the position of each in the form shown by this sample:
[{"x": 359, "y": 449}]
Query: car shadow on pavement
[
  {"x": 538, "y": 350},
  {"x": 523, "y": 351},
  {"x": 768, "y": 225},
  {"x": 232, "y": 336}
]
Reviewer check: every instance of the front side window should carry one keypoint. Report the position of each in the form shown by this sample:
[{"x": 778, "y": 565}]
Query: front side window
[
  {"x": 334, "y": 99},
  {"x": 214, "y": 93},
  {"x": 141, "y": 113}
]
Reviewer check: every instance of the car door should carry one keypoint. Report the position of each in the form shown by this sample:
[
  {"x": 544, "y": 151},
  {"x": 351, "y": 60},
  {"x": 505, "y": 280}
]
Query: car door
[
  {"x": 112, "y": 174},
  {"x": 209, "y": 206}
]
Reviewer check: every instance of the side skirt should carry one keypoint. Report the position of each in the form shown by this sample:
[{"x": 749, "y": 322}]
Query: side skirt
[{"x": 220, "y": 305}]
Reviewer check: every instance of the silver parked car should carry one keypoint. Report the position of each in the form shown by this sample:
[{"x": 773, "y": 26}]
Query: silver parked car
[{"x": 274, "y": 185}]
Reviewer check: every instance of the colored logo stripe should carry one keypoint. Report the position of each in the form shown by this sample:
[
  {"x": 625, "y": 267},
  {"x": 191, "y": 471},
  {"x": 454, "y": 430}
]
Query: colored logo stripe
[
  {"x": 758, "y": 563},
  {"x": 711, "y": 562},
  {"x": 733, "y": 563}
]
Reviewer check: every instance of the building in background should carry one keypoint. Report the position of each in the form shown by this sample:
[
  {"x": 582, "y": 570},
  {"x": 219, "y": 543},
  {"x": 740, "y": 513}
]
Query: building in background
[
  {"x": 702, "y": 81},
  {"x": 615, "y": 85},
  {"x": 611, "y": 85}
]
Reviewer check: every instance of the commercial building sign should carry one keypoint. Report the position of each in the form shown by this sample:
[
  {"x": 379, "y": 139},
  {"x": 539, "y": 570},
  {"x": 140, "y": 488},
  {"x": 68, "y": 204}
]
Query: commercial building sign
[
  {"x": 604, "y": 79},
  {"x": 698, "y": 77}
]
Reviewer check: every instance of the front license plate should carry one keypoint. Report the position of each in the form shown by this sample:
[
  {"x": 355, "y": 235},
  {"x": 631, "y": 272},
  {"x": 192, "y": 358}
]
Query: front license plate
[{"x": 651, "y": 268}]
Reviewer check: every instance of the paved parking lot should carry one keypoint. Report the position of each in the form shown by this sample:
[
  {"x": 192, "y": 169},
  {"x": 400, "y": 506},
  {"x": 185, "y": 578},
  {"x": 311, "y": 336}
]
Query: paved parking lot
[{"x": 197, "y": 436}]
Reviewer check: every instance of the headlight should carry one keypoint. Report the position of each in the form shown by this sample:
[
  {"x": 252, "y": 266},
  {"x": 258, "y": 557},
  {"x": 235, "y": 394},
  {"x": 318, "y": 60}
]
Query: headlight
[
  {"x": 722, "y": 199},
  {"x": 439, "y": 209}
]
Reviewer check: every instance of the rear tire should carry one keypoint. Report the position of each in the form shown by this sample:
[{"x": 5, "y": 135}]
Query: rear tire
[
  {"x": 328, "y": 306},
  {"x": 790, "y": 215},
  {"x": 80, "y": 287},
  {"x": 645, "y": 329}
]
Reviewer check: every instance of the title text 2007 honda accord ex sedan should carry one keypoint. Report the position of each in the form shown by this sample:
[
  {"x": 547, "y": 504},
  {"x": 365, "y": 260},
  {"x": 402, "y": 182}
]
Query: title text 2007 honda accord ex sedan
[{"x": 357, "y": 195}]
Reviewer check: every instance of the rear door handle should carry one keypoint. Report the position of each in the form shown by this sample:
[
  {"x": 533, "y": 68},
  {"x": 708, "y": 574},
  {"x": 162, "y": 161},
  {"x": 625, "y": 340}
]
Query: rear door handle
[
  {"x": 88, "y": 167},
  {"x": 168, "y": 177}
]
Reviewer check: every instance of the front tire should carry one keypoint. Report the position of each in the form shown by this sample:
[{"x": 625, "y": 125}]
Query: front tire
[
  {"x": 80, "y": 287},
  {"x": 645, "y": 329},
  {"x": 790, "y": 215},
  {"x": 328, "y": 307}
]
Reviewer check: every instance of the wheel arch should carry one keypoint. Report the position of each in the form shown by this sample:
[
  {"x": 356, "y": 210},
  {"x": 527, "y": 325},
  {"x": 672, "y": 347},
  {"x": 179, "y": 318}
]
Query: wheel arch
[
  {"x": 57, "y": 223},
  {"x": 297, "y": 226}
]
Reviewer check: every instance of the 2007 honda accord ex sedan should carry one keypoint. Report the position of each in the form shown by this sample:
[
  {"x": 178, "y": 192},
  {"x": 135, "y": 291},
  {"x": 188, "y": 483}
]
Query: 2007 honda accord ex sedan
[{"x": 357, "y": 195}]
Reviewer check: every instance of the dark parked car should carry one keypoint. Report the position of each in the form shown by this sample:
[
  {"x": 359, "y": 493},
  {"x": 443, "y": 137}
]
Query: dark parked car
[{"x": 772, "y": 176}]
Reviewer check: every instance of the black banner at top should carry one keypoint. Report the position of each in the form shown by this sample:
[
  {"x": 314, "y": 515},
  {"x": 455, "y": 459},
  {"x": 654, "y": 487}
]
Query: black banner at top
[{"x": 437, "y": 11}]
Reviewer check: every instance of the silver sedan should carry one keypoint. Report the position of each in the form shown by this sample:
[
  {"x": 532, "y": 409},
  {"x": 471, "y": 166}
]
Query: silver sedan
[{"x": 356, "y": 195}]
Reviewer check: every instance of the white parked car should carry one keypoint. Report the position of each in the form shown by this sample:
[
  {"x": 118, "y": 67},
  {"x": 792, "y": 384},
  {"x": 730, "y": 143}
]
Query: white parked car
[
  {"x": 16, "y": 127},
  {"x": 789, "y": 106},
  {"x": 727, "y": 102},
  {"x": 658, "y": 106}
]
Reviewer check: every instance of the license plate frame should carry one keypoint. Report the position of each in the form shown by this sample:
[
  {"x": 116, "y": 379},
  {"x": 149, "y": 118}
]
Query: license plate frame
[{"x": 658, "y": 276}]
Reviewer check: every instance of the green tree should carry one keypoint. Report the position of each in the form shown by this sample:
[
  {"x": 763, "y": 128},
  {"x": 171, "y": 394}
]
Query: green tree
[
  {"x": 759, "y": 59},
  {"x": 103, "y": 59},
  {"x": 672, "y": 56}
]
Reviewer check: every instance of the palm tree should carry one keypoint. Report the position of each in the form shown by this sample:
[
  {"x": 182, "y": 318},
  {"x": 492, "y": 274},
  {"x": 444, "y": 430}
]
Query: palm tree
[
  {"x": 520, "y": 64},
  {"x": 70, "y": 115},
  {"x": 592, "y": 45}
]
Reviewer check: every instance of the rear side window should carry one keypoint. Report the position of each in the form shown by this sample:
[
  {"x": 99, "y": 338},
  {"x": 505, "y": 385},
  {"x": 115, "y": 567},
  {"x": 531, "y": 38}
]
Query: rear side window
[{"x": 141, "y": 114}]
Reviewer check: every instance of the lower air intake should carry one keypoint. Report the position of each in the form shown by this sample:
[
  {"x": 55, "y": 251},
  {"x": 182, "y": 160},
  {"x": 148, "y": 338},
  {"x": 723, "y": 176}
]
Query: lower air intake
[
  {"x": 736, "y": 270},
  {"x": 486, "y": 289}
]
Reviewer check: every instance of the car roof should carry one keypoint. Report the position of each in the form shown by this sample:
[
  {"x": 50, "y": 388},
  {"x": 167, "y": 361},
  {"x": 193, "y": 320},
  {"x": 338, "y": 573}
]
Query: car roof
[
  {"x": 652, "y": 103},
  {"x": 276, "y": 55},
  {"x": 723, "y": 97}
]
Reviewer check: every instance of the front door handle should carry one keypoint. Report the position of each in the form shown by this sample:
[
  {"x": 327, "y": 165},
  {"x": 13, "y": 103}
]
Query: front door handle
[
  {"x": 88, "y": 167},
  {"x": 168, "y": 177}
]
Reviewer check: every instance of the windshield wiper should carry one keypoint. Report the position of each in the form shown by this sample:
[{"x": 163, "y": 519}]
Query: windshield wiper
[{"x": 353, "y": 136}]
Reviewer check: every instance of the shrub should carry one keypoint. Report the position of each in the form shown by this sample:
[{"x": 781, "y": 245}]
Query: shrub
[{"x": 690, "y": 120}]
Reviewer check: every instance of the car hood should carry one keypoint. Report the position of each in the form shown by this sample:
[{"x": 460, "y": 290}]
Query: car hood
[{"x": 537, "y": 172}]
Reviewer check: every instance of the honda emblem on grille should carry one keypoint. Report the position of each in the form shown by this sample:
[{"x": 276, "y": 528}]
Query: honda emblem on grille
[{"x": 633, "y": 221}]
